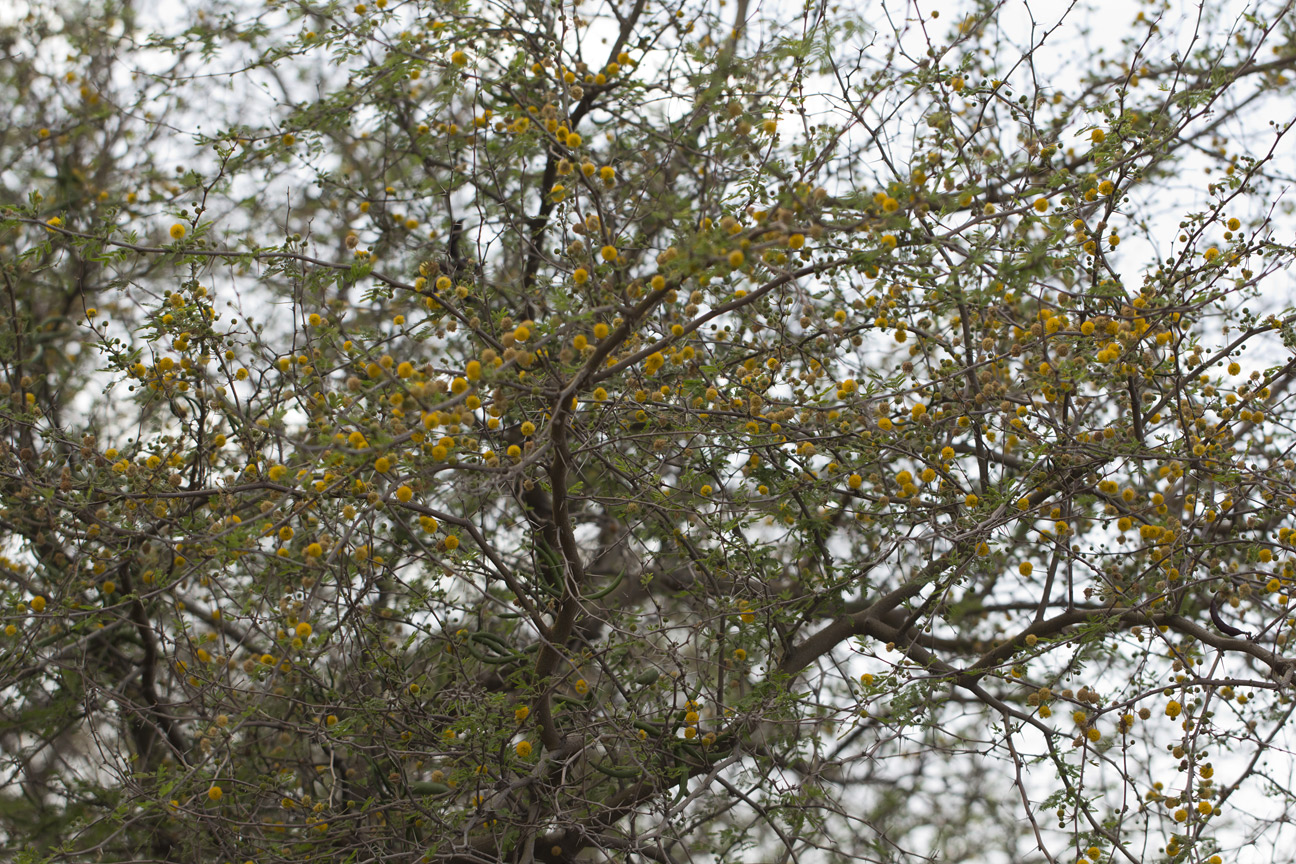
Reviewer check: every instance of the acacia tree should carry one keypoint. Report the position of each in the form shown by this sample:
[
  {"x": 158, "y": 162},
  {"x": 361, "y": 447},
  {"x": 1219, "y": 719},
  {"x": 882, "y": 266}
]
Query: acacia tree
[{"x": 626, "y": 431}]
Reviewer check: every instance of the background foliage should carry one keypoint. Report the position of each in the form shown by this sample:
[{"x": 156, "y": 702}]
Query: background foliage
[{"x": 463, "y": 431}]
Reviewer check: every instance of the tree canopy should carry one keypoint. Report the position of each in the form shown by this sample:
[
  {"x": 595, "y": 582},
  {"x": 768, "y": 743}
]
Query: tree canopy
[{"x": 530, "y": 431}]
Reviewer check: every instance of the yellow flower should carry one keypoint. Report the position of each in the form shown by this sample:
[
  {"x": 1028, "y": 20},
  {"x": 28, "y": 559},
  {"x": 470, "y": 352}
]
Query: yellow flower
[
  {"x": 609, "y": 253},
  {"x": 404, "y": 494},
  {"x": 215, "y": 793},
  {"x": 524, "y": 749},
  {"x": 38, "y": 604},
  {"x": 459, "y": 58},
  {"x": 178, "y": 233},
  {"x": 452, "y": 543}
]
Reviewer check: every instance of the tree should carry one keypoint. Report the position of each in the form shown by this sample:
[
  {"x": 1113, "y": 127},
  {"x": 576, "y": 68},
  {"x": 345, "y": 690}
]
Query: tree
[{"x": 456, "y": 432}]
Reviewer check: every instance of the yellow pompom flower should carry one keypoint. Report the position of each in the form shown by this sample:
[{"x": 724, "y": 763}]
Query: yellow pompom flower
[
  {"x": 609, "y": 253},
  {"x": 404, "y": 494},
  {"x": 178, "y": 233},
  {"x": 524, "y": 749}
]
